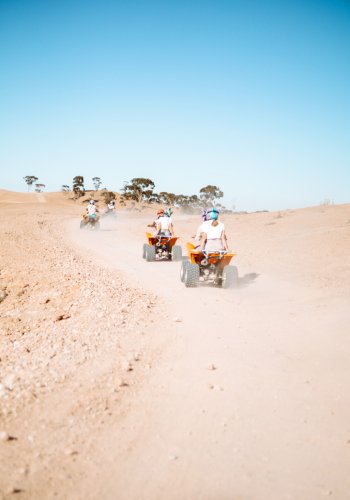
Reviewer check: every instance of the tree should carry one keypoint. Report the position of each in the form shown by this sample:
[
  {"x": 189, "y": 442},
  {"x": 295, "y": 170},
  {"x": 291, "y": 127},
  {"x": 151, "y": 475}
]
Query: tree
[
  {"x": 108, "y": 196},
  {"x": 182, "y": 200},
  {"x": 167, "y": 198},
  {"x": 194, "y": 201},
  {"x": 97, "y": 182},
  {"x": 209, "y": 194},
  {"x": 30, "y": 179},
  {"x": 65, "y": 188},
  {"x": 78, "y": 186},
  {"x": 139, "y": 189},
  {"x": 39, "y": 188}
]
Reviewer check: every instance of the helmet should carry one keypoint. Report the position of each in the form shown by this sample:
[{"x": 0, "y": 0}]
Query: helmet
[
  {"x": 168, "y": 212},
  {"x": 211, "y": 214},
  {"x": 92, "y": 202},
  {"x": 214, "y": 213},
  {"x": 160, "y": 212}
]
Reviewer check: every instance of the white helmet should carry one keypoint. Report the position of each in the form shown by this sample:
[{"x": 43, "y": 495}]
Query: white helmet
[{"x": 92, "y": 202}]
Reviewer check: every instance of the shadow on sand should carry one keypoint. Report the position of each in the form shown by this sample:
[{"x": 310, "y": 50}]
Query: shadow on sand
[{"x": 247, "y": 279}]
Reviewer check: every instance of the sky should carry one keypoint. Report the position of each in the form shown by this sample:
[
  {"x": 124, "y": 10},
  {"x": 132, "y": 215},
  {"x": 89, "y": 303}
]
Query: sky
[{"x": 251, "y": 96}]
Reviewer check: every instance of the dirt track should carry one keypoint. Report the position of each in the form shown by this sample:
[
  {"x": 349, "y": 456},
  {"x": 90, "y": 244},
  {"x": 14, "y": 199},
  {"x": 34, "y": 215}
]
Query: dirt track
[{"x": 207, "y": 393}]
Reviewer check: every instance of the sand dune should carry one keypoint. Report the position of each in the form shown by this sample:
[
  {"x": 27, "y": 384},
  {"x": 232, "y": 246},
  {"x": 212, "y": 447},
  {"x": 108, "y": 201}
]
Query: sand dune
[{"x": 118, "y": 382}]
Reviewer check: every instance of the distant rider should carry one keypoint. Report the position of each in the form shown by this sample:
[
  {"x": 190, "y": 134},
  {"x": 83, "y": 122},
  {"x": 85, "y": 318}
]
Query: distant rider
[
  {"x": 91, "y": 209},
  {"x": 110, "y": 207}
]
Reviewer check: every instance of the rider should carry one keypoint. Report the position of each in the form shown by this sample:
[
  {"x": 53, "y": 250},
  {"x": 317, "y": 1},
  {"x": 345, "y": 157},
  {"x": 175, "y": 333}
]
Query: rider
[
  {"x": 91, "y": 209},
  {"x": 164, "y": 223},
  {"x": 160, "y": 213},
  {"x": 110, "y": 207},
  {"x": 213, "y": 236}
]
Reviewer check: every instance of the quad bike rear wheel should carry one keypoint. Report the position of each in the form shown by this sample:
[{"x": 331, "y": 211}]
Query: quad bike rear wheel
[
  {"x": 229, "y": 277},
  {"x": 191, "y": 275},
  {"x": 176, "y": 253},
  {"x": 144, "y": 250},
  {"x": 82, "y": 224},
  {"x": 184, "y": 266},
  {"x": 150, "y": 253}
]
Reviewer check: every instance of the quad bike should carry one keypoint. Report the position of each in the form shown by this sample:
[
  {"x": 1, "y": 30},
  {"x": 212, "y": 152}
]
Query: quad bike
[
  {"x": 161, "y": 246},
  {"x": 209, "y": 267},
  {"x": 109, "y": 214},
  {"x": 90, "y": 222}
]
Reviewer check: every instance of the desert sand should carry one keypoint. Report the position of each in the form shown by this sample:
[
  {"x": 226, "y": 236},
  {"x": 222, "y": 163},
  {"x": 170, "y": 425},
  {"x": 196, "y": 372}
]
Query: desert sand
[{"x": 117, "y": 382}]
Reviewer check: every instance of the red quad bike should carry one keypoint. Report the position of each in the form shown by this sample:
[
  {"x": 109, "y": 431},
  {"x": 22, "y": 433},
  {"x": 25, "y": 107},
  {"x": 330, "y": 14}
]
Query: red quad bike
[
  {"x": 208, "y": 267},
  {"x": 160, "y": 247}
]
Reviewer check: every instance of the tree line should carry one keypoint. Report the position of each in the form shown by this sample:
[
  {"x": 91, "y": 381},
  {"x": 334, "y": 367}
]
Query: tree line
[{"x": 142, "y": 190}]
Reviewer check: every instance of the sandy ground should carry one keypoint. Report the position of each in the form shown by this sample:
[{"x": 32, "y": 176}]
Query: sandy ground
[{"x": 117, "y": 382}]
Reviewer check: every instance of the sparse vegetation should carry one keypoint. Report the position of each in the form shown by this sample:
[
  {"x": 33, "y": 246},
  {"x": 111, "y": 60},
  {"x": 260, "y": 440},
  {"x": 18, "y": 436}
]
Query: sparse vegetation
[
  {"x": 139, "y": 189},
  {"x": 78, "y": 186},
  {"x": 39, "y": 188},
  {"x": 30, "y": 179},
  {"x": 209, "y": 194},
  {"x": 108, "y": 196},
  {"x": 97, "y": 182},
  {"x": 142, "y": 190}
]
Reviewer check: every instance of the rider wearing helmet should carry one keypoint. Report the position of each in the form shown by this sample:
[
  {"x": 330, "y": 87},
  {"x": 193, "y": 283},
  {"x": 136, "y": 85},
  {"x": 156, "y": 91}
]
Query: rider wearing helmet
[
  {"x": 92, "y": 209},
  {"x": 164, "y": 223},
  {"x": 213, "y": 237},
  {"x": 206, "y": 215},
  {"x": 111, "y": 205},
  {"x": 160, "y": 213}
]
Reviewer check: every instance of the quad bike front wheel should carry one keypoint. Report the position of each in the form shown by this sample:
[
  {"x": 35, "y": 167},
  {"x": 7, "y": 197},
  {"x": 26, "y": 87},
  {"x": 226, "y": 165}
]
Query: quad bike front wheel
[
  {"x": 191, "y": 275},
  {"x": 176, "y": 253},
  {"x": 184, "y": 266},
  {"x": 150, "y": 253},
  {"x": 229, "y": 277}
]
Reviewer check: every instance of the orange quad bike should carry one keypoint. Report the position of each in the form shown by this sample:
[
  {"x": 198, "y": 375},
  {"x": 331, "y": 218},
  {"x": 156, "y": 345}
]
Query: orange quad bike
[
  {"x": 161, "y": 247},
  {"x": 208, "y": 267},
  {"x": 90, "y": 222}
]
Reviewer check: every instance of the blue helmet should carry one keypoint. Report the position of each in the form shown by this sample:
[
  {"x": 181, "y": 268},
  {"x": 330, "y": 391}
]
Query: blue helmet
[
  {"x": 211, "y": 214},
  {"x": 214, "y": 213}
]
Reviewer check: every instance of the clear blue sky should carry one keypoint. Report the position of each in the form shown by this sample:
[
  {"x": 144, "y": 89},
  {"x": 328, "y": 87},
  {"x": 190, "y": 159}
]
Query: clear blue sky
[{"x": 253, "y": 96}]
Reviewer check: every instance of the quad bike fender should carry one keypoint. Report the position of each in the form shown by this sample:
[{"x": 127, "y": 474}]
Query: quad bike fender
[
  {"x": 196, "y": 257},
  {"x": 152, "y": 240}
]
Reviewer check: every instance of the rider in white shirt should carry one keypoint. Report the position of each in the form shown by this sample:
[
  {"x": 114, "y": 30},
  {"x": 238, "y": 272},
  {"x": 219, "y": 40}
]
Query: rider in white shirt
[
  {"x": 111, "y": 205},
  {"x": 213, "y": 237},
  {"x": 91, "y": 209},
  {"x": 164, "y": 224}
]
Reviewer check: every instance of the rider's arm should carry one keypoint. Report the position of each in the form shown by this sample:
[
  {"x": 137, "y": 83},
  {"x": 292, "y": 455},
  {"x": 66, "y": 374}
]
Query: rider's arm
[
  {"x": 224, "y": 240},
  {"x": 202, "y": 242},
  {"x": 158, "y": 227}
]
